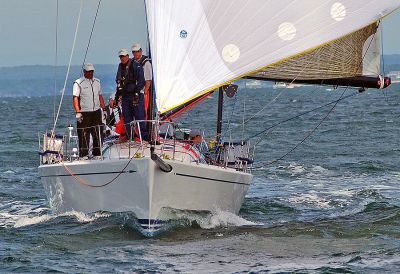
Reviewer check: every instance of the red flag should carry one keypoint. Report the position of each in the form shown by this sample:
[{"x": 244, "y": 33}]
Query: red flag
[{"x": 120, "y": 127}]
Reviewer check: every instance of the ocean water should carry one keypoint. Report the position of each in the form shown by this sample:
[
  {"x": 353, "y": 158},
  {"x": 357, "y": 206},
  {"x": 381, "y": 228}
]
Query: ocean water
[{"x": 330, "y": 206}]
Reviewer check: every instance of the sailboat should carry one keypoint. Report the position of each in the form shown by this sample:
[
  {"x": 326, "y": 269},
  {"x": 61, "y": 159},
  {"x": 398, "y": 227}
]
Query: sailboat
[
  {"x": 198, "y": 46},
  {"x": 394, "y": 76}
]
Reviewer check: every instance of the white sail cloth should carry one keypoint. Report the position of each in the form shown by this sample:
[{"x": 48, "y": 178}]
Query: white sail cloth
[{"x": 198, "y": 45}]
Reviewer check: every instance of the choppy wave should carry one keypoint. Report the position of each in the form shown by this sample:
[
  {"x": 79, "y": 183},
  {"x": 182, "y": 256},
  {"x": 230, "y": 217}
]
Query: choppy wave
[
  {"x": 16, "y": 214},
  {"x": 219, "y": 219},
  {"x": 332, "y": 205}
]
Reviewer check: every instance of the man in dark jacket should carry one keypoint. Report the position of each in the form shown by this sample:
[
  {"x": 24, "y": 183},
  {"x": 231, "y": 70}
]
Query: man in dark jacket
[
  {"x": 130, "y": 81},
  {"x": 145, "y": 62}
]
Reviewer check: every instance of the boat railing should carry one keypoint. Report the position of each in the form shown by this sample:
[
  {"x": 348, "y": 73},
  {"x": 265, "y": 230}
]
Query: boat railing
[
  {"x": 170, "y": 141},
  {"x": 51, "y": 149}
]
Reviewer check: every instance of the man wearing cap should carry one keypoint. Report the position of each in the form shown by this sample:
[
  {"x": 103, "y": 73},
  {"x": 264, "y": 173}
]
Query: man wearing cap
[
  {"x": 195, "y": 136},
  {"x": 144, "y": 61},
  {"x": 87, "y": 100},
  {"x": 130, "y": 81}
]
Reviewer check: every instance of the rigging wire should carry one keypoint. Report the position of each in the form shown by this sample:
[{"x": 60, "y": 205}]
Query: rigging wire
[
  {"x": 311, "y": 132},
  {"x": 55, "y": 64},
  {"x": 244, "y": 113},
  {"x": 230, "y": 119},
  {"x": 68, "y": 69},
  {"x": 268, "y": 131},
  {"x": 299, "y": 115},
  {"x": 269, "y": 103},
  {"x": 273, "y": 100},
  {"x": 382, "y": 50},
  {"x": 324, "y": 118},
  {"x": 91, "y": 33},
  {"x": 231, "y": 116},
  {"x": 383, "y": 62}
]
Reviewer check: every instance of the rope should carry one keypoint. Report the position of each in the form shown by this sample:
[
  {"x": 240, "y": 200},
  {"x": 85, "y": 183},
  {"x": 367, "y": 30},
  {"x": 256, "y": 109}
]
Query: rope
[
  {"x": 324, "y": 118},
  {"x": 86, "y": 183},
  {"x": 309, "y": 134},
  {"x": 69, "y": 67},
  {"x": 382, "y": 58},
  {"x": 230, "y": 119},
  {"x": 273, "y": 100},
  {"x": 383, "y": 63},
  {"x": 303, "y": 95},
  {"x": 55, "y": 65},
  {"x": 91, "y": 32},
  {"x": 298, "y": 115},
  {"x": 261, "y": 110}
]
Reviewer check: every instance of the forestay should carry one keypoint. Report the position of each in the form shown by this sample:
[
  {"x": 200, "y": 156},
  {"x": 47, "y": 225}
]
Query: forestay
[{"x": 198, "y": 45}]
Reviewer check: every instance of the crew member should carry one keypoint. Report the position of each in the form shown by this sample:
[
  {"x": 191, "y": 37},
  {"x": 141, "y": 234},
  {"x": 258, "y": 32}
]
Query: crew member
[
  {"x": 88, "y": 102},
  {"x": 144, "y": 61},
  {"x": 195, "y": 137},
  {"x": 130, "y": 81}
]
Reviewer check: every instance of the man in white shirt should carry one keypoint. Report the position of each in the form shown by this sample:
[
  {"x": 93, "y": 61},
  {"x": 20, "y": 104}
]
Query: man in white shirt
[{"x": 88, "y": 102}]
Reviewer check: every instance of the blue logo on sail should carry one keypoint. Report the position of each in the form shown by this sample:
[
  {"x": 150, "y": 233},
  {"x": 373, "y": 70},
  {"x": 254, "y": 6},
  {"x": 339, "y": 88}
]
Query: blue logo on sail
[{"x": 183, "y": 33}]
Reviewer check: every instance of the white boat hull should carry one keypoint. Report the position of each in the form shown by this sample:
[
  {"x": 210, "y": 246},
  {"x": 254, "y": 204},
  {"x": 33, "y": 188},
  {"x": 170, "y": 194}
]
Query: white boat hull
[{"x": 139, "y": 186}]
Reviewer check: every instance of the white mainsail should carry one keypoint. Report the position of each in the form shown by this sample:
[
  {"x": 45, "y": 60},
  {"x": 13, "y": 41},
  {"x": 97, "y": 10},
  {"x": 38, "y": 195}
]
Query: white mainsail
[{"x": 198, "y": 45}]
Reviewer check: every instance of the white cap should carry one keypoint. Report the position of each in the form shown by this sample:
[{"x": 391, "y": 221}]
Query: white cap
[
  {"x": 123, "y": 52},
  {"x": 194, "y": 133},
  {"x": 88, "y": 67},
  {"x": 136, "y": 47}
]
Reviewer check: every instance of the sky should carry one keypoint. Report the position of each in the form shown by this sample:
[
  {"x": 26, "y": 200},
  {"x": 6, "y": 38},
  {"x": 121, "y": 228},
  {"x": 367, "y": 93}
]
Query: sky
[{"x": 28, "y": 31}]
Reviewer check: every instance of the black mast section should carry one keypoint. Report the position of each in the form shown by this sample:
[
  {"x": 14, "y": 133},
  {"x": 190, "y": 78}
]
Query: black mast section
[
  {"x": 219, "y": 117},
  {"x": 151, "y": 108}
]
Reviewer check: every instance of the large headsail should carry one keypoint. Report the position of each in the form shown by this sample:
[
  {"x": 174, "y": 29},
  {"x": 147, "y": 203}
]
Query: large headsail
[{"x": 198, "y": 45}]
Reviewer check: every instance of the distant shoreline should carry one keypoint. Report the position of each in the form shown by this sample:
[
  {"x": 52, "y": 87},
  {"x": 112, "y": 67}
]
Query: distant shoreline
[
  {"x": 390, "y": 59},
  {"x": 40, "y": 80}
]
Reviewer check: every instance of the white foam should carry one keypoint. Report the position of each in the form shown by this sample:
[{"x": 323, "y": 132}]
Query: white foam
[
  {"x": 377, "y": 262},
  {"x": 85, "y": 218},
  {"x": 17, "y": 214},
  {"x": 223, "y": 219},
  {"x": 310, "y": 198},
  {"x": 319, "y": 169},
  {"x": 24, "y": 220},
  {"x": 385, "y": 187},
  {"x": 27, "y": 221},
  {"x": 215, "y": 219},
  {"x": 343, "y": 192},
  {"x": 219, "y": 219},
  {"x": 296, "y": 169}
]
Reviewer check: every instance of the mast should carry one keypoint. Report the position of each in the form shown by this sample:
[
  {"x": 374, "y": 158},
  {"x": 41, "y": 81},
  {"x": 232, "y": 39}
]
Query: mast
[
  {"x": 151, "y": 112},
  {"x": 219, "y": 115}
]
